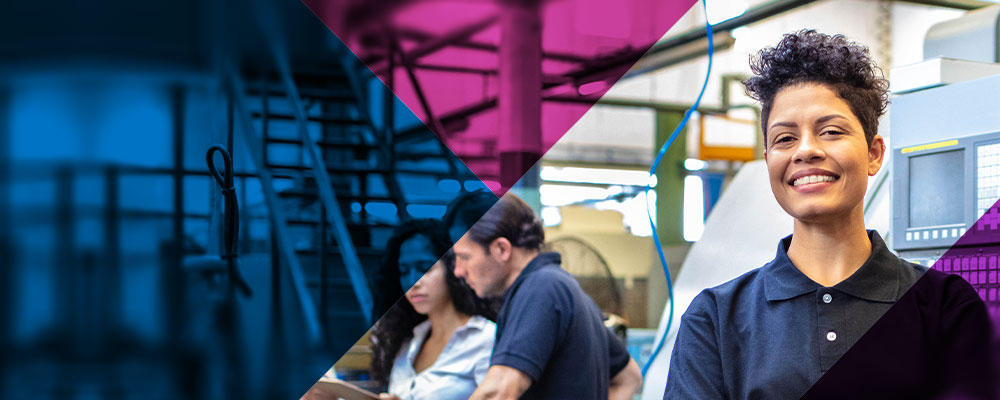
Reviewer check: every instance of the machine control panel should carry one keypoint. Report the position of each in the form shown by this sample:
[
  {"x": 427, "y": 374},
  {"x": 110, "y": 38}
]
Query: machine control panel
[{"x": 945, "y": 189}]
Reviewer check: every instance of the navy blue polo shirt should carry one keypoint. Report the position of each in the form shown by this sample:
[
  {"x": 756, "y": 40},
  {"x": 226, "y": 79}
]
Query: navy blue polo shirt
[
  {"x": 773, "y": 332},
  {"x": 934, "y": 343},
  {"x": 549, "y": 329}
]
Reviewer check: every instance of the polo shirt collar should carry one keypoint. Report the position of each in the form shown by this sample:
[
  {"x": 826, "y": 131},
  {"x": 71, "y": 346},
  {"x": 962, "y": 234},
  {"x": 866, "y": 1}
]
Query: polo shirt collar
[
  {"x": 420, "y": 332},
  {"x": 876, "y": 280},
  {"x": 540, "y": 261},
  {"x": 782, "y": 281},
  {"x": 475, "y": 322}
]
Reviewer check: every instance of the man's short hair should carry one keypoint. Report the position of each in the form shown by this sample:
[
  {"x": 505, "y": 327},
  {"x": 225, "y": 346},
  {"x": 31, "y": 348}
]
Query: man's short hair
[
  {"x": 510, "y": 218},
  {"x": 466, "y": 209}
]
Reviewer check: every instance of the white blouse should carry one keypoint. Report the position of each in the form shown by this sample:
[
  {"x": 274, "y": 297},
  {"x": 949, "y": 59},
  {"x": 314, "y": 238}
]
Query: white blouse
[{"x": 457, "y": 371}]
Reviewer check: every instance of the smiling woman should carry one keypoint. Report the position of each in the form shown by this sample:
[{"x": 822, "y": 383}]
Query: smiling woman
[
  {"x": 775, "y": 331},
  {"x": 819, "y": 161}
]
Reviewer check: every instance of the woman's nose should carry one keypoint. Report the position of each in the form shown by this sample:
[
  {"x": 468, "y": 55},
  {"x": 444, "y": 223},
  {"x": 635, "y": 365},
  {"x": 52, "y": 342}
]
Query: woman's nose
[
  {"x": 412, "y": 278},
  {"x": 809, "y": 149}
]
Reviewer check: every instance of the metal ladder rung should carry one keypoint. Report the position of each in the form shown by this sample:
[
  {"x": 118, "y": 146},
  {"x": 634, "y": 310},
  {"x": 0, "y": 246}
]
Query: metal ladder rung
[
  {"x": 326, "y": 119},
  {"x": 325, "y": 143}
]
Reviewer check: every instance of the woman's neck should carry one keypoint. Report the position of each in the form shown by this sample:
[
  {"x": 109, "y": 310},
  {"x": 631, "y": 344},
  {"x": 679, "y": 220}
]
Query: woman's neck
[
  {"x": 445, "y": 321},
  {"x": 830, "y": 251}
]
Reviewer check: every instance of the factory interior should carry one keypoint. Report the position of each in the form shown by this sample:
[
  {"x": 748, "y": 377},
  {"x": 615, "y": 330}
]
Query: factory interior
[{"x": 197, "y": 196}]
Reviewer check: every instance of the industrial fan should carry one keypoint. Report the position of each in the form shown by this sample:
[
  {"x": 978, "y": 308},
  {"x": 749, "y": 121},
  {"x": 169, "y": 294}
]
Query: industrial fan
[{"x": 590, "y": 269}]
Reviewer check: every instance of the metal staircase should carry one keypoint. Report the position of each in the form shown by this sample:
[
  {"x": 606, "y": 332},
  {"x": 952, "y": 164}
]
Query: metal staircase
[{"x": 328, "y": 164}]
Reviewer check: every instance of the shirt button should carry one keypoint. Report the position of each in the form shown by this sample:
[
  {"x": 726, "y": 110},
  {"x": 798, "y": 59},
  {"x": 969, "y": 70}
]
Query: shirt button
[
  {"x": 831, "y": 336},
  {"x": 827, "y": 298}
]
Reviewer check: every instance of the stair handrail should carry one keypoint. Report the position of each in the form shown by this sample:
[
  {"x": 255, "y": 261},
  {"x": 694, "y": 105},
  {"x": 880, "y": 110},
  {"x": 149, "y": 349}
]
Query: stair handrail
[
  {"x": 385, "y": 150},
  {"x": 328, "y": 196},
  {"x": 273, "y": 32},
  {"x": 251, "y": 138}
]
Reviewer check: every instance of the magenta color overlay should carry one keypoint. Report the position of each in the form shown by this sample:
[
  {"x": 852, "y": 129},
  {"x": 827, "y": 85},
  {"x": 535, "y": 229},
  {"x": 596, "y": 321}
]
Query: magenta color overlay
[{"x": 592, "y": 30}]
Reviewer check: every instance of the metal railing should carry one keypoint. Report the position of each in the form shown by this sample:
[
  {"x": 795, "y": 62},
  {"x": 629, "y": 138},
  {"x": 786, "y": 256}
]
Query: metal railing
[{"x": 251, "y": 138}]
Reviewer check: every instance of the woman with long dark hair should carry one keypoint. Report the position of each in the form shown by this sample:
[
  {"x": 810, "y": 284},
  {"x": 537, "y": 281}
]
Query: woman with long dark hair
[{"x": 435, "y": 343}]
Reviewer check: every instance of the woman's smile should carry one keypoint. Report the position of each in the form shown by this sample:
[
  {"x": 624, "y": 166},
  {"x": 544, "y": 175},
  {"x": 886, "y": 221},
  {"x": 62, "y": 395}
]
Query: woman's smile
[
  {"x": 812, "y": 180},
  {"x": 817, "y": 156}
]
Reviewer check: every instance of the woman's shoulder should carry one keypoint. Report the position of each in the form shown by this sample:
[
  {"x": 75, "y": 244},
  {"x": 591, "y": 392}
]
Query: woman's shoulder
[
  {"x": 476, "y": 336},
  {"x": 948, "y": 290},
  {"x": 910, "y": 273},
  {"x": 480, "y": 323},
  {"x": 470, "y": 345},
  {"x": 481, "y": 329},
  {"x": 732, "y": 293},
  {"x": 734, "y": 289}
]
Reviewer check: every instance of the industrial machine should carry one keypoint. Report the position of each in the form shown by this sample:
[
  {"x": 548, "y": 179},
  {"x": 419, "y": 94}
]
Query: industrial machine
[
  {"x": 745, "y": 225},
  {"x": 945, "y": 138}
]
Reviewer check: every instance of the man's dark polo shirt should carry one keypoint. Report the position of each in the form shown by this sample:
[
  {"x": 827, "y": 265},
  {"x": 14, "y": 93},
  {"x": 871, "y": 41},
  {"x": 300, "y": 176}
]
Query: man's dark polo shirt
[
  {"x": 549, "y": 329},
  {"x": 773, "y": 332}
]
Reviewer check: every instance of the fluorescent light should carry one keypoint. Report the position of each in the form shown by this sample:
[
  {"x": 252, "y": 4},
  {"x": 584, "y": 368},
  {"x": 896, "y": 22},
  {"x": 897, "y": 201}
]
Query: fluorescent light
[
  {"x": 724, "y": 10},
  {"x": 551, "y": 216},
  {"x": 694, "y": 208},
  {"x": 742, "y": 32},
  {"x": 693, "y": 164},
  {"x": 425, "y": 210},
  {"x": 449, "y": 185},
  {"x": 592, "y": 87},
  {"x": 637, "y": 217},
  {"x": 381, "y": 209},
  {"x": 562, "y": 195},
  {"x": 603, "y": 176},
  {"x": 494, "y": 186},
  {"x": 475, "y": 185},
  {"x": 633, "y": 211}
]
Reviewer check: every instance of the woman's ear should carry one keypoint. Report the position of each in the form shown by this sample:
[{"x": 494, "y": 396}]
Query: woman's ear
[{"x": 876, "y": 153}]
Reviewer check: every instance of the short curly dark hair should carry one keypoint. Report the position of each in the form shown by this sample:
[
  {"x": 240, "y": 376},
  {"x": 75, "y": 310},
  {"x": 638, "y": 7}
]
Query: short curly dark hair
[{"x": 808, "y": 56}]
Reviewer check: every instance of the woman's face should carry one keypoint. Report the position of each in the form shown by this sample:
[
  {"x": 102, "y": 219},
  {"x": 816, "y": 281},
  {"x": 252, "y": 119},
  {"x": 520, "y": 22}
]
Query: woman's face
[
  {"x": 818, "y": 160},
  {"x": 415, "y": 258},
  {"x": 430, "y": 292}
]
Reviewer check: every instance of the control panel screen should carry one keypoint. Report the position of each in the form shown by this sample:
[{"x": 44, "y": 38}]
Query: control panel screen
[
  {"x": 987, "y": 177},
  {"x": 936, "y": 188}
]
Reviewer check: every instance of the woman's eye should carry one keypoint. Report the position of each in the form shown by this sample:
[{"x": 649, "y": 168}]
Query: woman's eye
[
  {"x": 783, "y": 139},
  {"x": 833, "y": 132}
]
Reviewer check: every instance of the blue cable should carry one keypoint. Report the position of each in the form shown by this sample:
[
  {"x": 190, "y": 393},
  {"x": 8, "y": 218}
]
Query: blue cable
[{"x": 652, "y": 173}]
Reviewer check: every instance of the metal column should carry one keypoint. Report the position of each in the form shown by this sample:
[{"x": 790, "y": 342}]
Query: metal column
[{"x": 520, "y": 97}]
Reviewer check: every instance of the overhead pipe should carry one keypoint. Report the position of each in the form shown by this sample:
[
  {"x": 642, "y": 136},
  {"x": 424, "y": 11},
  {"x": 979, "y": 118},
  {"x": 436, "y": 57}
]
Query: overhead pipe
[{"x": 606, "y": 64}]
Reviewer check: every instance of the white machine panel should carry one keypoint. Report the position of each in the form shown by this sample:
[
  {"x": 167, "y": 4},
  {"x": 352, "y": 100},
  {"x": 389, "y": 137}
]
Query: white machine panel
[{"x": 741, "y": 234}]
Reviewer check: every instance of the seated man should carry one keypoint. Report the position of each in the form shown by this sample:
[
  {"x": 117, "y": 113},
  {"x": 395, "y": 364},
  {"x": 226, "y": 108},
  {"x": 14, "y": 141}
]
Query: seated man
[{"x": 550, "y": 342}]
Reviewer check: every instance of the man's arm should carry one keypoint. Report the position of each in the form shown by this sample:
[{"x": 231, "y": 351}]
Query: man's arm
[
  {"x": 626, "y": 383},
  {"x": 502, "y": 382}
]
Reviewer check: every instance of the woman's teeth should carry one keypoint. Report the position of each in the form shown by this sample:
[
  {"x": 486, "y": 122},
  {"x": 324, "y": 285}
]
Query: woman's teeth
[{"x": 813, "y": 179}]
